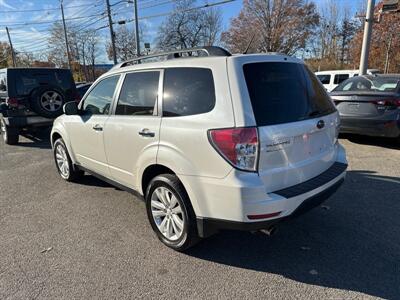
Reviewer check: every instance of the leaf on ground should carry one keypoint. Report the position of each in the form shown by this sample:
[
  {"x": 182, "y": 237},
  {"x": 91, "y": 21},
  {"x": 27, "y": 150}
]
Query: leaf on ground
[
  {"x": 313, "y": 272},
  {"x": 326, "y": 207},
  {"x": 46, "y": 250},
  {"x": 305, "y": 248}
]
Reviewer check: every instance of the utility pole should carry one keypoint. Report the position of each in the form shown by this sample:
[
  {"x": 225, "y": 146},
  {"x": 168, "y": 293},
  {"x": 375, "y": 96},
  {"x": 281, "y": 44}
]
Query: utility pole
[
  {"x": 12, "y": 49},
  {"x": 369, "y": 20},
  {"x": 65, "y": 35},
  {"x": 110, "y": 24},
  {"x": 137, "y": 29}
]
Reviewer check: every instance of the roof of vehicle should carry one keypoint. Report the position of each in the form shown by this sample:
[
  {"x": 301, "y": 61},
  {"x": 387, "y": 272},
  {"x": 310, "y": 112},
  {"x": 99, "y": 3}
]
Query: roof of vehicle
[
  {"x": 343, "y": 71},
  {"x": 198, "y": 61},
  {"x": 369, "y": 76},
  {"x": 36, "y": 68}
]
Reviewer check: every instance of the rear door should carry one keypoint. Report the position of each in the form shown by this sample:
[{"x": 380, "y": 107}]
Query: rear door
[
  {"x": 296, "y": 120},
  {"x": 132, "y": 133}
]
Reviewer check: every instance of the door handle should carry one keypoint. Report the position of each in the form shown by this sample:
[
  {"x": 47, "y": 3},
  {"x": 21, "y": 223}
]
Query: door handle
[
  {"x": 146, "y": 132},
  {"x": 98, "y": 127}
]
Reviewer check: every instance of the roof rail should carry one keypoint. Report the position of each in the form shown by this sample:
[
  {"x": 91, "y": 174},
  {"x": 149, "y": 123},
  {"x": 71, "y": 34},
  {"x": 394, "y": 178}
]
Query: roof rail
[{"x": 207, "y": 50}]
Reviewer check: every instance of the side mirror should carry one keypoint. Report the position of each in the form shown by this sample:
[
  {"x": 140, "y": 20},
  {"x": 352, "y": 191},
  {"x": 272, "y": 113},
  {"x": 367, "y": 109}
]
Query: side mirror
[{"x": 70, "y": 108}]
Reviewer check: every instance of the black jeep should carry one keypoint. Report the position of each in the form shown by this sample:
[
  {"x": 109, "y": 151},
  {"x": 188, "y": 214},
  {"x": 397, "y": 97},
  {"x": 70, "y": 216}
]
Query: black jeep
[{"x": 32, "y": 97}]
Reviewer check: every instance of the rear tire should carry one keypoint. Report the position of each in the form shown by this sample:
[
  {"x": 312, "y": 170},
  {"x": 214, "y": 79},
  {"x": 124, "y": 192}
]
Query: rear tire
[
  {"x": 10, "y": 134},
  {"x": 170, "y": 212},
  {"x": 63, "y": 161}
]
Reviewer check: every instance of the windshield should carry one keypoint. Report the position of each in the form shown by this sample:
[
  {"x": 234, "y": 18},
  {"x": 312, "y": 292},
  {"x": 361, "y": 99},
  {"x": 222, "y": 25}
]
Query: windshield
[{"x": 369, "y": 84}]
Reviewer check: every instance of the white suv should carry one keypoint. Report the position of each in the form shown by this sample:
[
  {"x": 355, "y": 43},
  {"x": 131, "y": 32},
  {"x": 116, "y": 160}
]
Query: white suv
[{"x": 212, "y": 141}]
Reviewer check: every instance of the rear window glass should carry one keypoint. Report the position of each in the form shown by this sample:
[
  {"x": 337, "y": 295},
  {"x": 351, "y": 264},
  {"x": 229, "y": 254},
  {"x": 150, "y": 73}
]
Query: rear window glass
[
  {"x": 188, "y": 91},
  {"x": 369, "y": 84},
  {"x": 285, "y": 92}
]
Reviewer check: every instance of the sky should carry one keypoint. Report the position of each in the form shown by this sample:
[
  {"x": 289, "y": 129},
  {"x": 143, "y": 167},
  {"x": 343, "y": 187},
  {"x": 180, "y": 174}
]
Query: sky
[{"x": 29, "y": 21}]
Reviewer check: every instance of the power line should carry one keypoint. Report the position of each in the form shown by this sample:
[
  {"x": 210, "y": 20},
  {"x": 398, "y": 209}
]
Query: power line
[
  {"x": 173, "y": 12},
  {"x": 53, "y": 21},
  {"x": 43, "y": 9}
]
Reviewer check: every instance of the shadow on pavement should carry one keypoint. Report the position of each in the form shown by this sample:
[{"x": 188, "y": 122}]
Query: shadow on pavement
[
  {"x": 353, "y": 243},
  {"x": 36, "y": 139},
  {"x": 390, "y": 143}
]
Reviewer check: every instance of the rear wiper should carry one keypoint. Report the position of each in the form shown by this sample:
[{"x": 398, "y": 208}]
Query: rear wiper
[{"x": 314, "y": 113}]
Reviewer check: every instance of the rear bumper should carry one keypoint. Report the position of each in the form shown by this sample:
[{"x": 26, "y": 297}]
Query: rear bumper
[
  {"x": 371, "y": 127},
  {"x": 209, "y": 226},
  {"x": 27, "y": 121}
]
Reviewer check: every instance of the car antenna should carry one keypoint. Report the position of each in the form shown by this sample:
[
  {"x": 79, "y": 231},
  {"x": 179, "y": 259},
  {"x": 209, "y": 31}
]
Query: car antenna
[{"x": 249, "y": 44}]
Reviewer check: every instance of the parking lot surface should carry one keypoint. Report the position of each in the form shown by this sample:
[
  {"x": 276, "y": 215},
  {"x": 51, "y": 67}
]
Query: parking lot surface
[{"x": 90, "y": 240}]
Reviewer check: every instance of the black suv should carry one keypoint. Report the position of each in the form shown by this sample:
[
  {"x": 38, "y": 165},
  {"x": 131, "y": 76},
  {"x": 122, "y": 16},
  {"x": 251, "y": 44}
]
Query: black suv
[{"x": 31, "y": 97}]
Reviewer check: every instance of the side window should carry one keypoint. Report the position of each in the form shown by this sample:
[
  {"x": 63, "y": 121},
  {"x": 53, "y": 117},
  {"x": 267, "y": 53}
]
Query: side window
[
  {"x": 188, "y": 91},
  {"x": 138, "y": 94},
  {"x": 98, "y": 101},
  {"x": 3, "y": 82},
  {"x": 325, "y": 79},
  {"x": 339, "y": 78}
]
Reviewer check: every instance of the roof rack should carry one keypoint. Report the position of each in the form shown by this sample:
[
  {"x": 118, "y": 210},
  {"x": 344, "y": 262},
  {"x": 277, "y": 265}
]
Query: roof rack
[{"x": 208, "y": 51}]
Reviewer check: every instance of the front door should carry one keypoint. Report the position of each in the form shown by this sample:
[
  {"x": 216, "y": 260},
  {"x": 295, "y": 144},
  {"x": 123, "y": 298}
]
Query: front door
[
  {"x": 86, "y": 130},
  {"x": 131, "y": 134}
]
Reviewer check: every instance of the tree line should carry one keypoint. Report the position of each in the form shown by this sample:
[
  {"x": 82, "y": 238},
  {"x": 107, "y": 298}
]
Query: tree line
[{"x": 329, "y": 38}]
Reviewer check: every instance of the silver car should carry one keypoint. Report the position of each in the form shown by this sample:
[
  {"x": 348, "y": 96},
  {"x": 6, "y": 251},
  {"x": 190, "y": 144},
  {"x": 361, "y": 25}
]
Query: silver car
[{"x": 369, "y": 105}]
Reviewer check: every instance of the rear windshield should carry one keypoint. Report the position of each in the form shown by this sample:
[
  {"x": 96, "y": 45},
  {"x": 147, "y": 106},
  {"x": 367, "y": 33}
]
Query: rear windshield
[
  {"x": 285, "y": 92},
  {"x": 369, "y": 84}
]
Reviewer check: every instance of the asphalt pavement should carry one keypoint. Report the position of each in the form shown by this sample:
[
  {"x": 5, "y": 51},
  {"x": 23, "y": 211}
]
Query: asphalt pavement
[{"x": 87, "y": 240}]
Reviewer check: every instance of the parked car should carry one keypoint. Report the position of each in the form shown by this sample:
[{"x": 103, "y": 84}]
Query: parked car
[
  {"x": 331, "y": 79},
  {"x": 32, "y": 97},
  {"x": 369, "y": 105},
  {"x": 82, "y": 88},
  {"x": 212, "y": 142}
]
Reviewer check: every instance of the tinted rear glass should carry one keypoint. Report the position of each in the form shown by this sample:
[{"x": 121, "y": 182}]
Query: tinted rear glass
[
  {"x": 369, "y": 84},
  {"x": 285, "y": 92}
]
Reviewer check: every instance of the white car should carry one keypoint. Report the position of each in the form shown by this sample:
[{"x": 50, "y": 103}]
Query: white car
[
  {"x": 211, "y": 141},
  {"x": 331, "y": 79}
]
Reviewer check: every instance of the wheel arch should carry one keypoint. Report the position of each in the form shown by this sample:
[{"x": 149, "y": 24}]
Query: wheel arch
[
  {"x": 154, "y": 170},
  {"x": 150, "y": 172},
  {"x": 57, "y": 132}
]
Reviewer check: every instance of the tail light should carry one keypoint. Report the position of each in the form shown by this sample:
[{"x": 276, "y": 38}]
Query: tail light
[
  {"x": 239, "y": 146},
  {"x": 12, "y": 102},
  {"x": 77, "y": 97},
  {"x": 388, "y": 102}
]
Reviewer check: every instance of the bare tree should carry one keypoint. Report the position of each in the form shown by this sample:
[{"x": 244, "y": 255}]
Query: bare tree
[
  {"x": 5, "y": 55},
  {"x": 278, "y": 26},
  {"x": 188, "y": 27},
  {"x": 92, "y": 50},
  {"x": 125, "y": 43}
]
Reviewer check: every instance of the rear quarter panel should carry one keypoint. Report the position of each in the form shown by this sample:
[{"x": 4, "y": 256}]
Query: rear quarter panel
[{"x": 184, "y": 146}]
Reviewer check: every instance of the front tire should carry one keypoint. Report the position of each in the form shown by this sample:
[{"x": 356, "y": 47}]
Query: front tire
[
  {"x": 10, "y": 134},
  {"x": 64, "y": 163},
  {"x": 170, "y": 212}
]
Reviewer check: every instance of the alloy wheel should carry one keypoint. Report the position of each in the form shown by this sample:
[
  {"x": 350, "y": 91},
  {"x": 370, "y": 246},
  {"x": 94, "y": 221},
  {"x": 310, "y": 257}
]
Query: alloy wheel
[
  {"x": 51, "y": 101},
  {"x": 167, "y": 213},
  {"x": 62, "y": 161}
]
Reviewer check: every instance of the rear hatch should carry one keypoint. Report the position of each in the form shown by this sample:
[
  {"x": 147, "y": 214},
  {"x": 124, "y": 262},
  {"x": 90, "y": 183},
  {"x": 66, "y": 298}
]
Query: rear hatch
[{"x": 296, "y": 120}]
